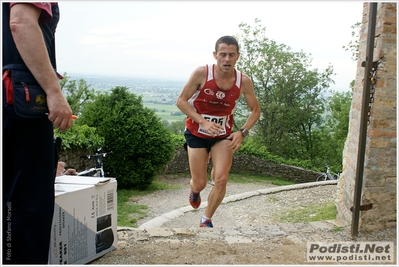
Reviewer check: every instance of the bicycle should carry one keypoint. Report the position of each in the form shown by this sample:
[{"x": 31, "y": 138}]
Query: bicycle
[
  {"x": 328, "y": 175},
  {"x": 98, "y": 170}
]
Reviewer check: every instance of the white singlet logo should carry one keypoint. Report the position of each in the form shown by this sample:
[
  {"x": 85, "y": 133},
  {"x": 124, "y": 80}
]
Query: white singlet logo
[
  {"x": 208, "y": 91},
  {"x": 220, "y": 95}
]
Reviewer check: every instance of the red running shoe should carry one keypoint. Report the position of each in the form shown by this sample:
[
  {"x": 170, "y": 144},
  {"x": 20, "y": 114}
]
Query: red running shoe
[{"x": 195, "y": 199}]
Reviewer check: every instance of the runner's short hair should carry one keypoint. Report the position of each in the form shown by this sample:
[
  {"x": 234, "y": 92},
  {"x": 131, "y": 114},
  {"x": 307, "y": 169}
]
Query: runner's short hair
[{"x": 229, "y": 40}]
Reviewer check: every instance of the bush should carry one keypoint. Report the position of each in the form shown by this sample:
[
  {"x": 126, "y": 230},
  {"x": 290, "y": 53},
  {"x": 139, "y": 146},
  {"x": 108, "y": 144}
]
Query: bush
[
  {"x": 252, "y": 148},
  {"x": 178, "y": 140},
  {"x": 140, "y": 143},
  {"x": 80, "y": 136}
]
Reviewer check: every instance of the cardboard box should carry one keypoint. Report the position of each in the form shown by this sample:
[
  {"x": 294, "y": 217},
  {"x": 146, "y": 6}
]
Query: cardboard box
[{"x": 85, "y": 219}]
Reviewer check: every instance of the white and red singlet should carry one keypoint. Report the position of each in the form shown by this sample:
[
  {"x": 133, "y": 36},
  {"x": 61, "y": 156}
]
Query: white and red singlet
[{"x": 214, "y": 104}]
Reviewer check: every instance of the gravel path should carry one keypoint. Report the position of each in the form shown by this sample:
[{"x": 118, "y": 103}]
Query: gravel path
[
  {"x": 245, "y": 232},
  {"x": 257, "y": 210}
]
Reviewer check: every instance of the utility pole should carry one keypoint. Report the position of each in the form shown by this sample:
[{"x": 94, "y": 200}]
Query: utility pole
[{"x": 368, "y": 64}]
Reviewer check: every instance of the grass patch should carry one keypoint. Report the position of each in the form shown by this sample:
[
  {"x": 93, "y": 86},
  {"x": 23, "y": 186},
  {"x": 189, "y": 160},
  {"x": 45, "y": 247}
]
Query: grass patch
[
  {"x": 129, "y": 212},
  {"x": 337, "y": 229},
  {"x": 157, "y": 185},
  {"x": 309, "y": 213},
  {"x": 246, "y": 178}
]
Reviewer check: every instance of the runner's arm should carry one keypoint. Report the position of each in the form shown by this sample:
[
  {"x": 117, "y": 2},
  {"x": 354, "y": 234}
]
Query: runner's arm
[{"x": 195, "y": 82}]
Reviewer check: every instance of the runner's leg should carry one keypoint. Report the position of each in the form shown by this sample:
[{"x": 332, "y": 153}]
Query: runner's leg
[
  {"x": 198, "y": 158},
  {"x": 222, "y": 158}
]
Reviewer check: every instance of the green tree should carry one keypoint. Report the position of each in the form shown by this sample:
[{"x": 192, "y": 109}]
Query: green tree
[
  {"x": 177, "y": 127},
  {"x": 288, "y": 90},
  {"x": 165, "y": 123},
  {"x": 339, "y": 105},
  {"x": 140, "y": 142},
  {"x": 353, "y": 45},
  {"x": 77, "y": 93}
]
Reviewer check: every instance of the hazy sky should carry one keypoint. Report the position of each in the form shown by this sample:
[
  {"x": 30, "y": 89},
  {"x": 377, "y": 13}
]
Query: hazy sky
[{"x": 169, "y": 39}]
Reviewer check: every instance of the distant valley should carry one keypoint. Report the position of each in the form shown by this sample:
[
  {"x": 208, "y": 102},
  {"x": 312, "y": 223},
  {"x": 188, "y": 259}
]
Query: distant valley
[{"x": 158, "y": 94}]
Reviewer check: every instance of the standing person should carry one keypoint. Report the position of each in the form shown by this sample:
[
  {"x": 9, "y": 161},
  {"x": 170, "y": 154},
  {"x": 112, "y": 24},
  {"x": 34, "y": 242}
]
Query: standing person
[
  {"x": 208, "y": 99},
  {"x": 28, "y": 144}
]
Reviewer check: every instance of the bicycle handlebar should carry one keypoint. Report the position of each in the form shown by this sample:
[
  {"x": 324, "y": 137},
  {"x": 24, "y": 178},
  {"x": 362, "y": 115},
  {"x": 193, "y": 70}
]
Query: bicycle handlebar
[{"x": 97, "y": 155}]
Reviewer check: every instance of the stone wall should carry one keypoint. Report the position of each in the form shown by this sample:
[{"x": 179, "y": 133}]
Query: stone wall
[
  {"x": 179, "y": 164},
  {"x": 247, "y": 164},
  {"x": 73, "y": 160},
  {"x": 379, "y": 178}
]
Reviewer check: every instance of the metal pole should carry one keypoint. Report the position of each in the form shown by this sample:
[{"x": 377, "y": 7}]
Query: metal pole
[{"x": 363, "y": 119}]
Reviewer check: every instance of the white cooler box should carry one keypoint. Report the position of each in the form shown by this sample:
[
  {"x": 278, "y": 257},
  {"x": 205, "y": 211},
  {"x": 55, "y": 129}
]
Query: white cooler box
[{"x": 85, "y": 219}]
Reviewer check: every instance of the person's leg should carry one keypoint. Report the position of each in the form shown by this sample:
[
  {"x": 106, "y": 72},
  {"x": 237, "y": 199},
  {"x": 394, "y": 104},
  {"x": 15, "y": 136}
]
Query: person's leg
[
  {"x": 222, "y": 158},
  {"x": 213, "y": 176},
  {"x": 28, "y": 190},
  {"x": 198, "y": 175},
  {"x": 198, "y": 158}
]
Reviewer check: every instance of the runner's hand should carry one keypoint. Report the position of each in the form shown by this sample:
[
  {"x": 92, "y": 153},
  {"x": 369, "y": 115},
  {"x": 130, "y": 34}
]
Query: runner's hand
[
  {"x": 212, "y": 128},
  {"x": 236, "y": 140}
]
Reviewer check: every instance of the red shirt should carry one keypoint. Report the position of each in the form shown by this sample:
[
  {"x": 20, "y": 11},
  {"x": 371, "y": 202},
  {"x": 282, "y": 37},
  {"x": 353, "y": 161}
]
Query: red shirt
[{"x": 214, "y": 104}]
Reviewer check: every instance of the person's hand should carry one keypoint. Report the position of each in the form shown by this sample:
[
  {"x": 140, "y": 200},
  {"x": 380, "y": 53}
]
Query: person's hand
[
  {"x": 71, "y": 172},
  {"x": 212, "y": 128},
  {"x": 60, "y": 113},
  {"x": 236, "y": 140}
]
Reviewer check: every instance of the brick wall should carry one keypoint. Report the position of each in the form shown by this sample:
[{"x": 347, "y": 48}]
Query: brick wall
[{"x": 379, "y": 178}]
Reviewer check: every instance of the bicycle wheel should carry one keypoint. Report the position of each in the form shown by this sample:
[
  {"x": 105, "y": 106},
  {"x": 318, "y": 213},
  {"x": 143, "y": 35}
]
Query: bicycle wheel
[{"x": 322, "y": 177}]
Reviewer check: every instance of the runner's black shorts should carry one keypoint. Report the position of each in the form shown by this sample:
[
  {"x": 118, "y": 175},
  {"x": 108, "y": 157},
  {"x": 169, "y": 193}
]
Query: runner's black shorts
[{"x": 198, "y": 142}]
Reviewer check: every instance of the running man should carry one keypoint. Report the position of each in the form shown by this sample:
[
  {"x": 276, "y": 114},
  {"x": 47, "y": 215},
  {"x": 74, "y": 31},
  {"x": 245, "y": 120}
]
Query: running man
[{"x": 208, "y": 99}]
